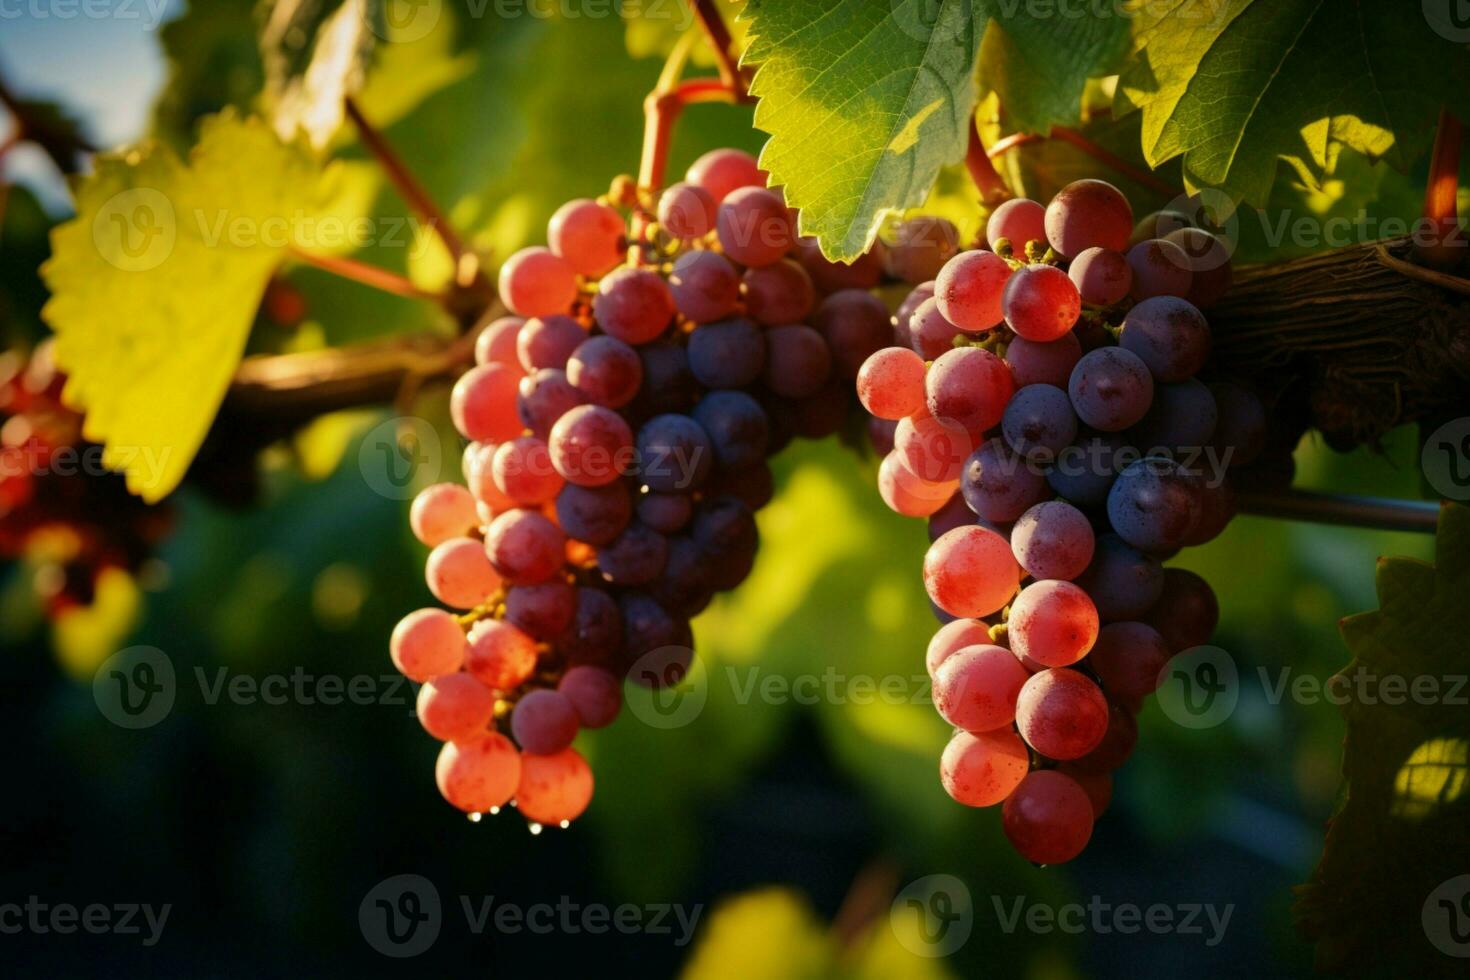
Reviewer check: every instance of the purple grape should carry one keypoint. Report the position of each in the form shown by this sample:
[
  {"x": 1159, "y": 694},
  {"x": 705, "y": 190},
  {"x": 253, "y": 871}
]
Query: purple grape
[
  {"x": 1187, "y": 611},
  {"x": 684, "y": 587},
  {"x": 1053, "y": 540},
  {"x": 543, "y": 610},
  {"x": 594, "y": 515},
  {"x": 547, "y": 342},
  {"x": 1153, "y": 505},
  {"x": 738, "y": 429},
  {"x": 674, "y": 453},
  {"x": 753, "y": 485},
  {"x": 606, "y": 371},
  {"x": 665, "y": 512},
  {"x": 727, "y": 354},
  {"x": 1043, "y": 363},
  {"x": 779, "y": 293},
  {"x": 798, "y": 361},
  {"x": 595, "y": 633},
  {"x": 635, "y": 557},
  {"x": 543, "y": 722},
  {"x": 1102, "y": 276},
  {"x": 998, "y": 485},
  {"x": 705, "y": 285},
  {"x": 1180, "y": 421},
  {"x": 595, "y": 693},
  {"x": 1084, "y": 472},
  {"x": 1122, "y": 581},
  {"x": 1110, "y": 389},
  {"x": 668, "y": 384},
  {"x": 954, "y": 514},
  {"x": 855, "y": 323},
  {"x": 1160, "y": 268},
  {"x": 1039, "y": 423},
  {"x": 1169, "y": 335},
  {"x": 545, "y": 397},
  {"x": 902, "y": 317},
  {"x": 648, "y": 626},
  {"x": 930, "y": 334},
  {"x": 1241, "y": 429}
]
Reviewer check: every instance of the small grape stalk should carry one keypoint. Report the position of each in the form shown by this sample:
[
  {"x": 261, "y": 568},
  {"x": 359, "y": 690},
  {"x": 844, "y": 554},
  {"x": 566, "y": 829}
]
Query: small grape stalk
[{"x": 1039, "y": 405}]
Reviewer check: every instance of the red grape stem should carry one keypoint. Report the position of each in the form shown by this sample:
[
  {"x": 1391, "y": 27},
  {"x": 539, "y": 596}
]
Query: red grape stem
[
  {"x": 1347, "y": 510},
  {"x": 368, "y": 275},
  {"x": 468, "y": 270},
  {"x": 993, "y": 189},
  {"x": 1087, "y": 146},
  {"x": 1441, "y": 212},
  {"x": 718, "y": 35}
]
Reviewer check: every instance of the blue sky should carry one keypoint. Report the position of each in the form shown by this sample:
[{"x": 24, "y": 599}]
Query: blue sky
[{"x": 99, "y": 58}]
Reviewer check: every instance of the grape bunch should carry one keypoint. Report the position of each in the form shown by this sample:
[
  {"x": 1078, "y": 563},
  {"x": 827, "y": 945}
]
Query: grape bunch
[
  {"x": 1040, "y": 407},
  {"x": 661, "y": 348},
  {"x": 60, "y": 511}
]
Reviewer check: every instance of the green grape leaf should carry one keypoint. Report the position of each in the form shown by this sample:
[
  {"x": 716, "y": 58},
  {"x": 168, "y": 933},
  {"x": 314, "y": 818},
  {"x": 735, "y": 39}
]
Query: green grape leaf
[
  {"x": 315, "y": 54},
  {"x": 155, "y": 283},
  {"x": 1039, "y": 62},
  {"x": 1398, "y": 836},
  {"x": 1235, "y": 86},
  {"x": 864, "y": 102}
]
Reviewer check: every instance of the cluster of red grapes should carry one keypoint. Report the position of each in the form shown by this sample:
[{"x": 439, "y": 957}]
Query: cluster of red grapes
[
  {"x": 60, "y": 510},
  {"x": 619, "y": 426},
  {"x": 1041, "y": 409}
]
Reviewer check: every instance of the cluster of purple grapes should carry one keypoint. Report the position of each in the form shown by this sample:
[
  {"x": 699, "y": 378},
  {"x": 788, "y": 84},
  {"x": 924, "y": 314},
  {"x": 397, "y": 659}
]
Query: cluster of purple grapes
[
  {"x": 619, "y": 426},
  {"x": 1040, "y": 407}
]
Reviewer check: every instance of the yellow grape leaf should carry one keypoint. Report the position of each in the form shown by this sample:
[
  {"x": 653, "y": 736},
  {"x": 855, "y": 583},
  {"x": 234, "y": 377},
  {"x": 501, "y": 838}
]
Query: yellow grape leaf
[{"x": 155, "y": 282}]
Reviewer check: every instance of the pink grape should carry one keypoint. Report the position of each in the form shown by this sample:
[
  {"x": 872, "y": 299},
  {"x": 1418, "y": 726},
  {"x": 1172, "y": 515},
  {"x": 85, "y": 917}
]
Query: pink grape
[
  {"x": 441, "y": 512},
  {"x": 890, "y": 384},
  {"x": 483, "y": 403},
  {"x": 634, "y": 305},
  {"x": 1041, "y": 303},
  {"x": 524, "y": 547},
  {"x": 606, "y": 371},
  {"x": 522, "y": 471},
  {"x": 543, "y": 722},
  {"x": 932, "y": 449},
  {"x": 930, "y": 334},
  {"x": 554, "y": 788},
  {"x": 591, "y": 446},
  {"x": 903, "y": 316},
  {"x": 547, "y": 342},
  {"x": 1103, "y": 277},
  {"x": 705, "y": 286},
  {"x": 907, "y": 494},
  {"x": 754, "y": 226},
  {"x": 1061, "y": 713},
  {"x": 1053, "y": 540},
  {"x": 546, "y": 396},
  {"x": 427, "y": 643},
  {"x": 497, "y": 342},
  {"x": 780, "y": 293},
  {"x": 983, "y": 769},
  {"x": 455, "y": 707},
  {"x": 920, "y": 248},
  {"x": 537, "y": 282},
  {"x": 591, "y": 237},
  {"x": 1048, "y": 818},
  {"x": 954, "y": 636},
  {"x": 478, "y": 774},
  {"x": 976, "y": 688},
  {"x": 725, "y": 170},
  {"x": 595, "y": 693},
  {"x": 687, "y": 211},
  {"x": 500, "y": 654},
  {"x": 1088, "y": 213},
  {"x": 971, "y": 386},
  {"x": 969, "y": 290},
  {"x": 1129, "y": 659},
  {"x": 1053, "y": 622},
  {"x": 1097, "y": 785},
  {"x": 970, "y": 572},
  {"x": 459, "y": 574},
  {"x": 1160, "y": 268},
  {"x": 1018, "y": 220},
  {"x": 1049, "y": 363},
  {"x": 478, "y": 473}
]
